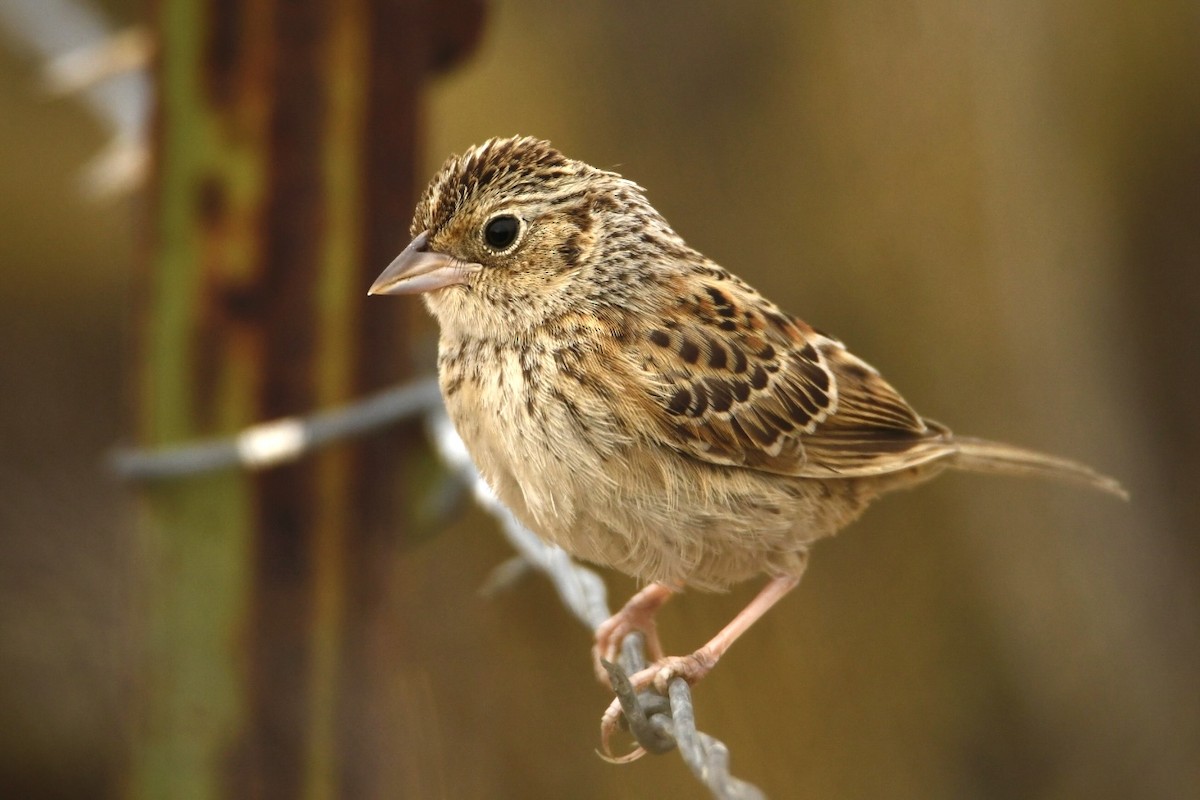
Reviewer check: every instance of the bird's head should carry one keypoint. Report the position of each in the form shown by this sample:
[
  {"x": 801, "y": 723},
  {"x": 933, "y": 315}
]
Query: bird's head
[{"x": 512, "y": 233}]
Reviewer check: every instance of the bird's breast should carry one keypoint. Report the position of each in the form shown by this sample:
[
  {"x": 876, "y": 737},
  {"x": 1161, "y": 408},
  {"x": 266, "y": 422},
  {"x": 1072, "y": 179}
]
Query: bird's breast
[{"x": 541, "y": 437}]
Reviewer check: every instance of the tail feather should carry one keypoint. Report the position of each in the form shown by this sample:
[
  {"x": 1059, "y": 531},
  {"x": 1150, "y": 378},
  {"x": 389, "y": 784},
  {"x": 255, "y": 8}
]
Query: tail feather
[{"x": 979, "y": 455}]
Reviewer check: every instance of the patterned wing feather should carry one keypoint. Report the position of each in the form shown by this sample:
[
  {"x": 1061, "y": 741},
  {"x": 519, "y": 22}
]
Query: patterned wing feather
[{"x": 735, "y": 381}]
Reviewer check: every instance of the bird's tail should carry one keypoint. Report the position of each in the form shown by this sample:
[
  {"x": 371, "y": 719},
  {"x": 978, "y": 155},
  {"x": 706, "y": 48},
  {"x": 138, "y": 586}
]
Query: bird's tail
[{"x": 979, "y": 455}]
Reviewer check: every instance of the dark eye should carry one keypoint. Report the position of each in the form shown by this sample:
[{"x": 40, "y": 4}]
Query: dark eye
[{"x": 501, "y": 232}]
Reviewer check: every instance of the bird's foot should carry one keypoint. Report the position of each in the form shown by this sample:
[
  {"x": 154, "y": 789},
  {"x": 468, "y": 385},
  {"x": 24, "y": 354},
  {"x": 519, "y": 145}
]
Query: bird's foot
[
  {"x": 656, "y": 677},
  {"x": 637, "y": 616},
  {"x": 612, "y": 633}
]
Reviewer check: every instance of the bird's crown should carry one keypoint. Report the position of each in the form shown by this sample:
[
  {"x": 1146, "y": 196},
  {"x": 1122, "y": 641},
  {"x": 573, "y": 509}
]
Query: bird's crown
[{"x": 504, "y": 168}]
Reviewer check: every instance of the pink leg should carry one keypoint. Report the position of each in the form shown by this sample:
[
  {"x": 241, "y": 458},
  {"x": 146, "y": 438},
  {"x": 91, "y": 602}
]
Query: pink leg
[
  {"x": 694, "y": 667},
  {"x": 636, "y": 615}
]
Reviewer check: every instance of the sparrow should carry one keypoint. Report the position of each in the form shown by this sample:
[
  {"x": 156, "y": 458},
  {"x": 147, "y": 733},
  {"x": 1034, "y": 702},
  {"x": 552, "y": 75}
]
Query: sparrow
[{"x": 643, "y": 408}]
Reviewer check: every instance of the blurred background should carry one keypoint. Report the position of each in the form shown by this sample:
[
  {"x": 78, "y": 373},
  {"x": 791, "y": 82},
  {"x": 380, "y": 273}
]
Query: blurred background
[{"x": 998, "y": 205}]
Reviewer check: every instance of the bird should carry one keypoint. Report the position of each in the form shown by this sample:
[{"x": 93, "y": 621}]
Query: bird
[{"x": 643, "y": 408}]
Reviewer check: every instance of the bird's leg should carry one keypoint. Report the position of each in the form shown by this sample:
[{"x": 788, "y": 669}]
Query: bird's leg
[
  {"x": 694, "y": 667},
  {"x": 636, "y": 615}
]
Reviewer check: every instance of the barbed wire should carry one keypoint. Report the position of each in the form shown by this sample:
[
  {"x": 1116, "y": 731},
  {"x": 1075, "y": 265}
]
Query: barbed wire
[
  {"x": 281, "y": 440},
  {"x": 84, "y": 57},
  {"x": 658, "y": 724}
]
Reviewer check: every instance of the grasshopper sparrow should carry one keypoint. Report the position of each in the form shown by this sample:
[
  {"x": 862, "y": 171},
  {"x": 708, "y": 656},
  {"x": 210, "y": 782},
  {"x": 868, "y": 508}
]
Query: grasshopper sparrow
[{"x": 643, "y": 408}]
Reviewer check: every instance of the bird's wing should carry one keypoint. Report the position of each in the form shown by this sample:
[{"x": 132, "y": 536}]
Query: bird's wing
[{"x": 729, "y": 379}]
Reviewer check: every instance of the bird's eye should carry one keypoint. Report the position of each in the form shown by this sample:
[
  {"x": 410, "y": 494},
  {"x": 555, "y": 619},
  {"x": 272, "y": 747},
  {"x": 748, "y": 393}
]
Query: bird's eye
[{"x": 501, "y": 232}]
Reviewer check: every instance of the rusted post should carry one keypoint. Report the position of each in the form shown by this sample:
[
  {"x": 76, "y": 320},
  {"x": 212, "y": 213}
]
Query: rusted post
[{"x": 285, "y": 142}]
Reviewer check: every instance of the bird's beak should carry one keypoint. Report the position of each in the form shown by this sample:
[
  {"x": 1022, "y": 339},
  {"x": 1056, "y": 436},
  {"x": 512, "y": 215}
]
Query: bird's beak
[{"x": 419, "y": 269}]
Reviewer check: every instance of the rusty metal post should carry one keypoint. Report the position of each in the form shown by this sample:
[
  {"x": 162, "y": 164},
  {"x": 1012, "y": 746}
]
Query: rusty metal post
[{"x": 284, "y": 150}]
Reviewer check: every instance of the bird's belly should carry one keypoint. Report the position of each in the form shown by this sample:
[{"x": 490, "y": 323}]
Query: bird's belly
[
  {"x": 575, "y": 476},
  {"x": 657, "y": 516}
]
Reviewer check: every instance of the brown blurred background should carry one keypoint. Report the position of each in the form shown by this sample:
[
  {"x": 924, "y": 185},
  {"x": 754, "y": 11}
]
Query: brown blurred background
[{"x": 997, "y": 206}]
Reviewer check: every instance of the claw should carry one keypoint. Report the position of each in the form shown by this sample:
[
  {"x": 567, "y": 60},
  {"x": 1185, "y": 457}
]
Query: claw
[
  {"x": 626, "y": 688},
  {"x": 608, "y": 725}
]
